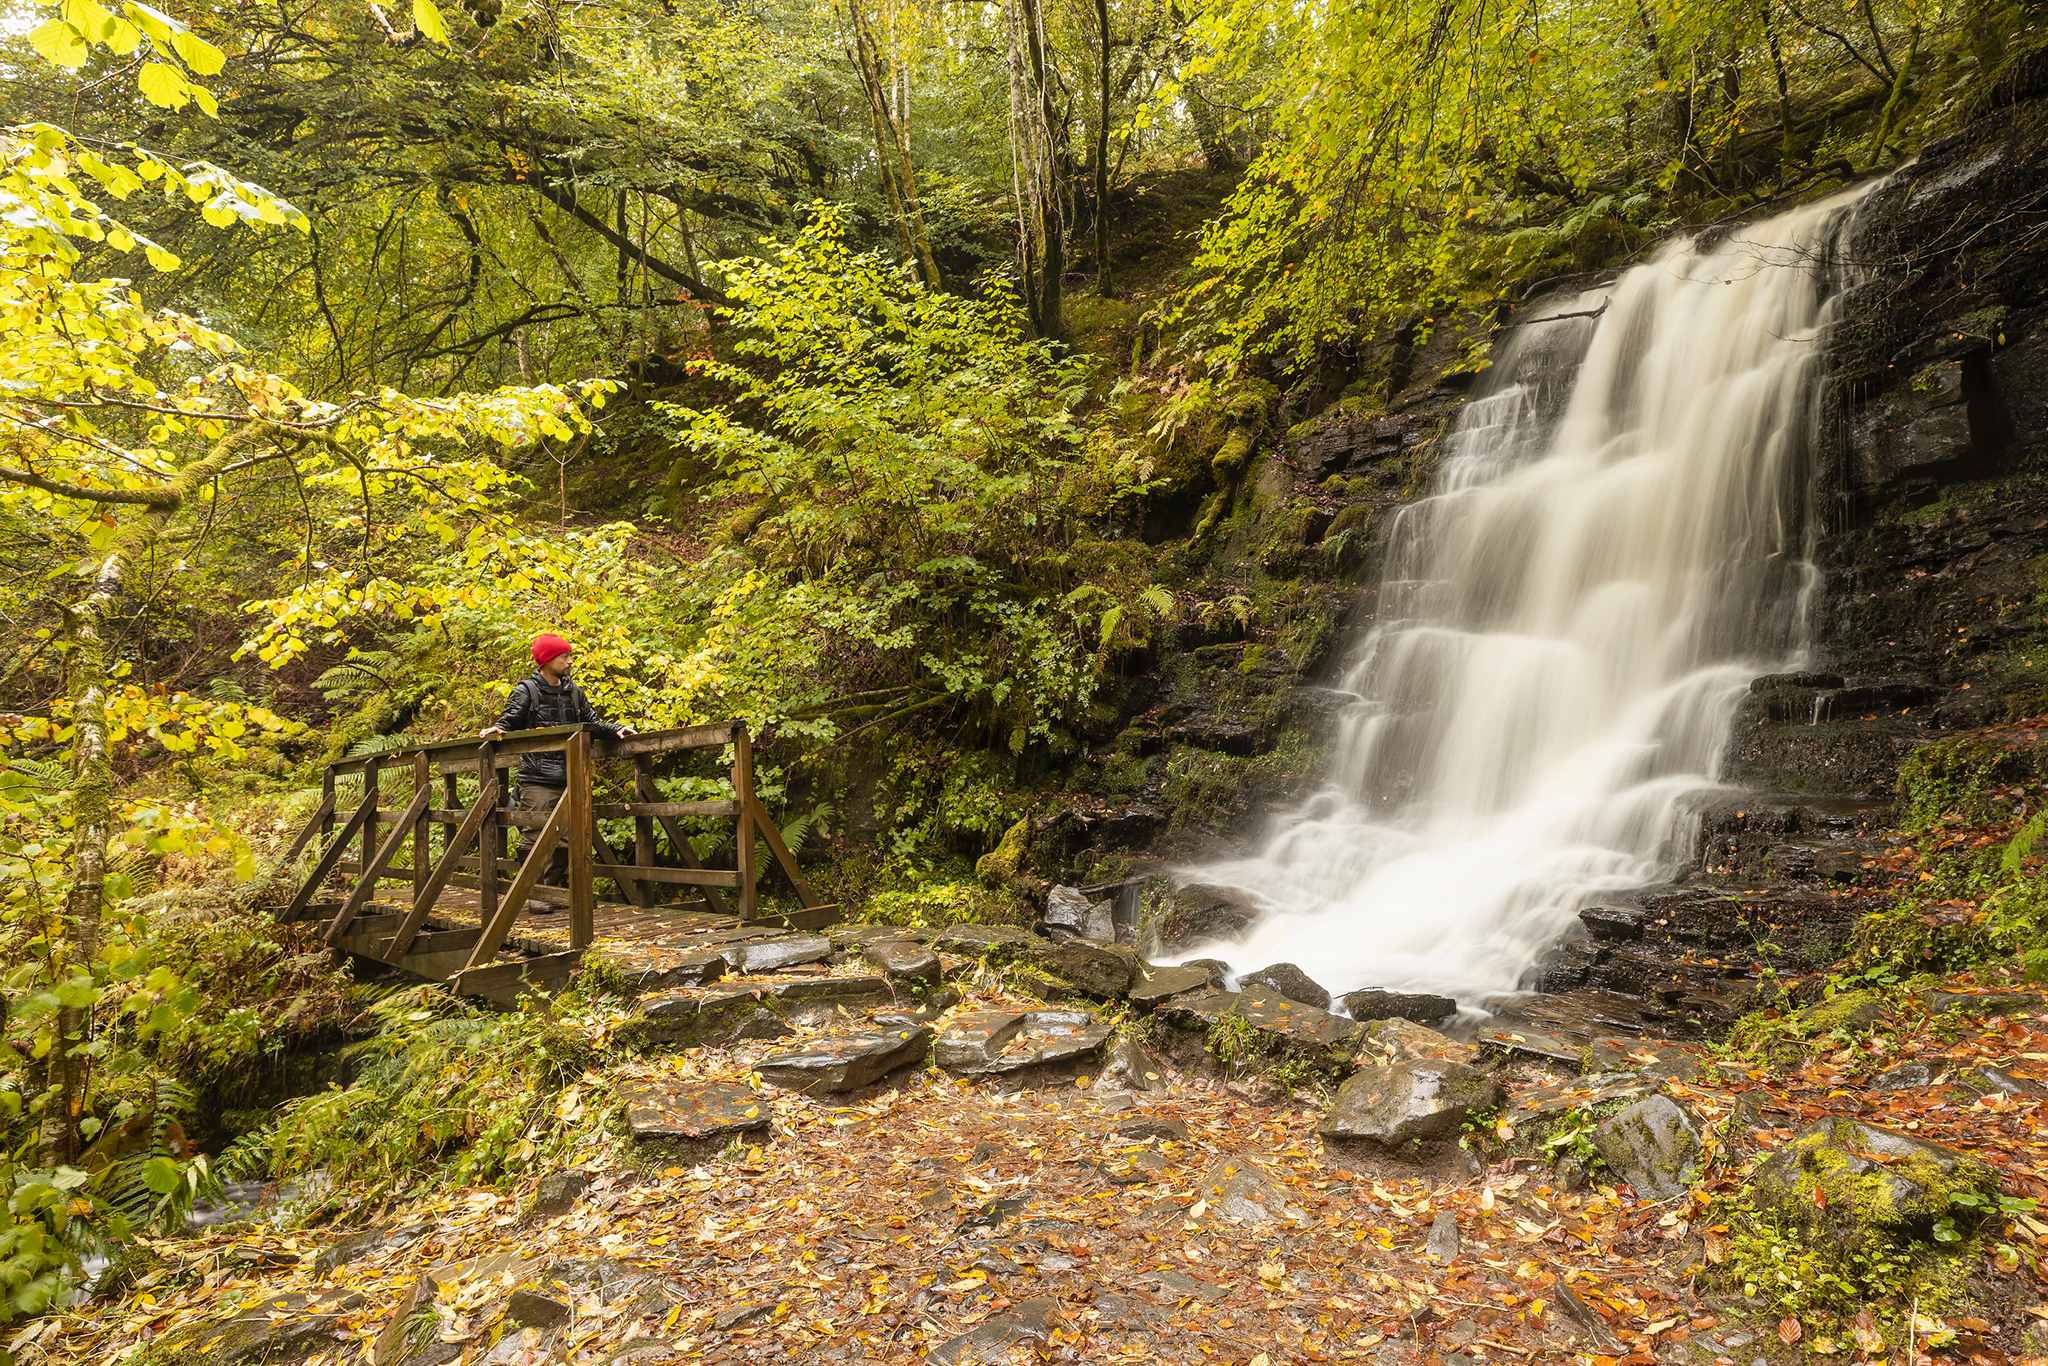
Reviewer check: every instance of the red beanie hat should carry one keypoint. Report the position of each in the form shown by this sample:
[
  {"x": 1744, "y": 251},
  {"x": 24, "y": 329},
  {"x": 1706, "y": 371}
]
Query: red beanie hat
[{"x": 547, "y": 646}]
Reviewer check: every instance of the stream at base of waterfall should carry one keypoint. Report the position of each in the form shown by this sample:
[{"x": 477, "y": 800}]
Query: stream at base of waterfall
[{"x": 1616, "y": 545}]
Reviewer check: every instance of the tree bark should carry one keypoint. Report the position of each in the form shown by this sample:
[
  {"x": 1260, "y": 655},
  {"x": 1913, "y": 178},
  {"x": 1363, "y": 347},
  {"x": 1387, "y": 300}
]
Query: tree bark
[
  {"x": 892, "y": 146},
  {"x": 1035, "y": 171},
  {"x": 1102, "y": 151}
]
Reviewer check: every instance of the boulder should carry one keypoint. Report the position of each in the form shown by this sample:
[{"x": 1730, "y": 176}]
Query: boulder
[
  {"x": 1290, "y": 981},
  {"x": 287, "y": 1327},
  {"x": 1156, "y": 982},
  {"x": 409, "y": 1335},
  {"x": 1653, "y": 1145},
  {"x": 1187, "y": 917},
  {"x": 357, "y": 1246},
  {"x": 1855, "y": 1185},
  {"x": 1103, "y": 970},
  {"x": 847, "y": 1063},
  {"x": 1070, "y": 914},
  {"x": 901, "y": 960},
  {"x": 1405, "y": 1039},
  {"x": 1904, "y": 1077},
  {"x": 973, "y": 1042},
  {"x": 1420, "y": 1006},
  {"x": 1408, "y": 1107},
  {"x": 674, "y": 1108}
]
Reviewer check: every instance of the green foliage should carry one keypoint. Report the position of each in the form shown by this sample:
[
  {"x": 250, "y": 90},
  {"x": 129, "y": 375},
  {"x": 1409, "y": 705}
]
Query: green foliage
[
  {"x": 1957, "y": 779},
  {"x": 1971, "y": 909},
  {"x": 936, "y": 905},
  {"x": 486, "y": 1094}
]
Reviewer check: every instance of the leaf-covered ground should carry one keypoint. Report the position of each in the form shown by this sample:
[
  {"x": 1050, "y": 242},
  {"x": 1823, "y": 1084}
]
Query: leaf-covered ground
[{"x": 939, "y": 1219}]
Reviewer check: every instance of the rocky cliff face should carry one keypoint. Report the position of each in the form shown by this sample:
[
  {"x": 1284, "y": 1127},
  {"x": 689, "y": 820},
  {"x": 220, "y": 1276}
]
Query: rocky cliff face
[{"x": 1929, "y": 509}]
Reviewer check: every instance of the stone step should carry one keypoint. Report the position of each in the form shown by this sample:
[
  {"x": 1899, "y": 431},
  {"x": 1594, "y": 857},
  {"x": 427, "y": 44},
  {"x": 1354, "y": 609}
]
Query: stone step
[
  {"x": 677, "y": 1110},
  {"x": 750, "y": 1007},
  {"x": 847, "y": 1062},
  {"x": 985, "y": 1043}
]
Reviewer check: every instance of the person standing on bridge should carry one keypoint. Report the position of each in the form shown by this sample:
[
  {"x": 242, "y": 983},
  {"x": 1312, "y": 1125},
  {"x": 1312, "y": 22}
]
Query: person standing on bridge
[{"x": 547, "y": 697}]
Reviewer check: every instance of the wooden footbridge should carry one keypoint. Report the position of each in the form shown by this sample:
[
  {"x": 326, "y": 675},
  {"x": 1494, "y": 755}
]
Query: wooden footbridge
[{"x": 415, "y": 870}]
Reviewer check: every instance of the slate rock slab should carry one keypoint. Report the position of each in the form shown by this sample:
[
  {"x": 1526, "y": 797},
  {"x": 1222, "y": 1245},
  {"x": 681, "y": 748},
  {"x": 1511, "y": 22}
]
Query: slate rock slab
[
  {"x": 287, "y": 1327},
  {"x": 1287, "y": 1024},
  {"x": 1420, "y": 1006},
  {"x": 648, "y": 966},
  {"x": 532, "y": 1309},
  {"x": 846, "y": 1063},
  {"x": 1653, "y": 1144},
  {"x": 1443, "y": 1241},
  {"x": 982, "y": 941},
  {"x": 1158, "y": 982},
  {"x": 711, "y": 1014},
  {"x": 901, "y": 960},
  {"x": 1285, "y": 979},
  {"x": 991, "y": 1042},
  {"x": 1904, "y": 1077},
  {"x": 1103, "y": 970},
  {"x": 1401, "y": 1038},
  {"x": 694, "y": 1111},
  {"x": 1241, "y": 1194},
  {"x": 1409, "y": 1106},
  {"x": 988, "y": 1341},
  {"x": 772, "y": 955}
]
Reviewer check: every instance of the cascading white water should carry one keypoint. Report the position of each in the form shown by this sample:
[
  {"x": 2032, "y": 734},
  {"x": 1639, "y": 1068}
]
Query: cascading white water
[{"x": 1565, "y": 627}]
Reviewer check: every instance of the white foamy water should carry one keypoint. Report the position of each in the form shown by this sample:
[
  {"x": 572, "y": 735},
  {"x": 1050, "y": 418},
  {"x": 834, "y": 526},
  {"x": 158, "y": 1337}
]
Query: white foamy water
[{"x": 1565, "y": 627}]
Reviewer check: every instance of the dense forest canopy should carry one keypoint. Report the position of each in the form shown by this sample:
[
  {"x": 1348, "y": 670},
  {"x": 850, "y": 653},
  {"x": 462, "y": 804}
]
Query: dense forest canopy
[{"x": 875, "y": 371}]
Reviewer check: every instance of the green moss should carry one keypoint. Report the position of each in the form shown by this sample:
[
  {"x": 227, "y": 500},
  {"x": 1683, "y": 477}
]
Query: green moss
[
  {"x": 1955, "y": 779},
  {"x": 1005, "y": 862},
  {"x": 938, "y": 904}
]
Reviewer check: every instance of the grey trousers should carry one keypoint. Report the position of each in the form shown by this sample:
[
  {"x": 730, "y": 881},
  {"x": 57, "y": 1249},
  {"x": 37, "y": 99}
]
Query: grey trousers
[{"x": 531, "y": 799}]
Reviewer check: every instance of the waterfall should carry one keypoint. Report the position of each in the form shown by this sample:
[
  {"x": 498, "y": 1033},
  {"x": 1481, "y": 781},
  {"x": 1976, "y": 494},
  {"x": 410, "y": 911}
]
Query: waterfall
[{"x": 1616, "y": 545}]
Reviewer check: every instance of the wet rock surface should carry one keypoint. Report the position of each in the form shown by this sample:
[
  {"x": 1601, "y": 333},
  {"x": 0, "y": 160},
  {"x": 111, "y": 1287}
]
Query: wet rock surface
[
  {"x": 1653, "y": 1144},
  {"x": 1420, "y": 1006},
  {"x": 989, "y": 1042},
  {"x": 845, "y": 1063},
  {"x": 1290, "y": 981},
  {"x": 676, "y": 1109},
  {"x": 1409, "y": 1107}
]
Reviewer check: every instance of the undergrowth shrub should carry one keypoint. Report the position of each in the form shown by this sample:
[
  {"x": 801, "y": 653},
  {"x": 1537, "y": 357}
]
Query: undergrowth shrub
[{"x": 443, "y": 1084}]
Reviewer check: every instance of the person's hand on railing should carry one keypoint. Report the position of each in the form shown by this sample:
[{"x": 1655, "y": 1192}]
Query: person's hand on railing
[
  {"x": 492, "y": 733},
  {"x": 625, "y": 733}
]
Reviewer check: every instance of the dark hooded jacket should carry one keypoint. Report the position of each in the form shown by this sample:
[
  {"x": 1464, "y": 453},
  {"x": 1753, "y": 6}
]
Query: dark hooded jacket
[{"x": 536, "y": 703}]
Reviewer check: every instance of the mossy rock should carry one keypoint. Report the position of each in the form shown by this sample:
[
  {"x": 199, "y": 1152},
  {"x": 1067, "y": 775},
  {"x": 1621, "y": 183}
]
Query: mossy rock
[
  {"x": 1855, "y": 1185},
  {"x": 1005, "y": 863}
]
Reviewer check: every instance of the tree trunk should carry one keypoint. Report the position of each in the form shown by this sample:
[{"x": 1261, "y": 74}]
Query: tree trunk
[
  {"x": 1035, "y": 171},
  {"x": 1102, "y": 152},
  {"x": 892, "y": 146}
]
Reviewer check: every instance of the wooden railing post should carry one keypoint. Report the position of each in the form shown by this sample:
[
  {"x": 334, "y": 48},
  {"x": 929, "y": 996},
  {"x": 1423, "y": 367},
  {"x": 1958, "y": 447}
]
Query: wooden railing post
[
  {"x": 743, "y": 798},
  {"x": 577, "y": 830},
  {"x": 372, "y": 794},
  {"x": 422, "y": 855},
  {"x": 643, "y": 830},
  {"x": 327, "y": 806},
  {"x": 489, "y": 780}
]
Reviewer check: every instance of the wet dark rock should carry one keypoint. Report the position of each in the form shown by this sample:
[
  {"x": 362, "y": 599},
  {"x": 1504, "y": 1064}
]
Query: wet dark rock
[
  {"x": 1189, "y": 917},
  {"x": 727, "y": 1319},
  {"x": 847, "y": 1063},
  {"x": 558, "y": 1193},
  {"x": 992, "y": 1338},
  {"x": 902, "y": 960},
  {"x": 1408, "y": 1108},
  {"x": 1619, "y": 924},
  {"x": 1290, "y": 981},
  {"x": 675, "y": 1108},
  {"x": 773, "y": 955},
  {"x": 1404, "y": 1040},
  {"x": 1155, "y": 982},
  {"x": 651, "y": 966},
  {"x": 848, "y": 937},
  {"x": 1420, "y": 1006},
  {"x": 1905, "y": 1076},
  {"x": 1986, "y": 1002},
  {"x": 1443, "y": 1241},
  {"x": 1239, "y": 1193},
  {"x": 1069, "y": 912},
  {"x": 1986, "y": 1081},
  {"x": 1654, "y": 1145},
  {"x": 1141, "y": 1127},
  {"x": 1103, "y": 970}
]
